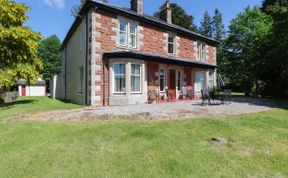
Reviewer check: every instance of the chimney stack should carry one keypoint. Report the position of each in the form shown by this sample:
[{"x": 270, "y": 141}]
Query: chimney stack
[
  {"x": 137, "y": 6},
  {"x": 166, "y": 12}
]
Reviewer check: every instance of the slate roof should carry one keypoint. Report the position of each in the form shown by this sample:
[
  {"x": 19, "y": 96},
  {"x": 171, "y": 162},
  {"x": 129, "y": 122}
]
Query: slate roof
[
  {"x": 133, "y": 15},
  {"x": 157, "y": 58}
]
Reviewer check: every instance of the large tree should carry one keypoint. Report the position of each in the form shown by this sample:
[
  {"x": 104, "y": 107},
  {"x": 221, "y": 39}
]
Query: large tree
[
  {"x": 49, "y": 53},
  {"x": 180, "y": 17},
  {"x": 275, "y": 71},
  {"x": 218, "y": 26},
  {"x": 243, "y": 49},
  {"x": 18, "y": 45},
  {"x": 206, "y": 28}
]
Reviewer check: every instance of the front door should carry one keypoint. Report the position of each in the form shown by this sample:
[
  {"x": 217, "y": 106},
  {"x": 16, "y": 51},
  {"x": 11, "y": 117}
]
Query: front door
[
  {"x": 172, "y": 84},
  {"x": 23, "y": 90}
]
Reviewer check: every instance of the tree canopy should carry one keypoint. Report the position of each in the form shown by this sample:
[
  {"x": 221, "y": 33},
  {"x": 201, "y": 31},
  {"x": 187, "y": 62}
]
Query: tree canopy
[
  {"x": 18, "y": 45},
  {"x": 180, "y": 17},
  {"x": 49, "y": 53},
  {"x": 218, "y": 26},
  {"x": 206, "y": 27}
]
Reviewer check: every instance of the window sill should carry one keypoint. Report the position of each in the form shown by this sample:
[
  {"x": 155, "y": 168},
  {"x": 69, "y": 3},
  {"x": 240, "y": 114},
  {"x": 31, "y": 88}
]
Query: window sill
[
  {"x": 135, "y": 93},
  {"x": 126, "y": 47}
]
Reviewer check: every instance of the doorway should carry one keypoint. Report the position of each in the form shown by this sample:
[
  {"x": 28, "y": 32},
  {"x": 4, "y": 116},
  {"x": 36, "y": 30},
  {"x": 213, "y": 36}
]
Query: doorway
[
  {"x": 172, "y": 84},
  {"x": 23, "y": 90}
]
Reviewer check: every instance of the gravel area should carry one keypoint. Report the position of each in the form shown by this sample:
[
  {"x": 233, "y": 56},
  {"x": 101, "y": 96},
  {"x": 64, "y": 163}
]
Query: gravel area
[{"x": 160, "y": 111}]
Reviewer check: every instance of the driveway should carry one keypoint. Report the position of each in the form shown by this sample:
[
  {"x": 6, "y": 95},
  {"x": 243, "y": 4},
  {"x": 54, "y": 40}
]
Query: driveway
[{"x": 160, "y": 111}]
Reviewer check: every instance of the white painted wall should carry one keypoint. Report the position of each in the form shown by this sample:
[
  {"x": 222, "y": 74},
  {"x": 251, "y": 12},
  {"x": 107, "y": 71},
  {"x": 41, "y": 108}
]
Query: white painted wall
[
  {"x": 34, "y": 90},
  {"x": 74, "y": 52}
]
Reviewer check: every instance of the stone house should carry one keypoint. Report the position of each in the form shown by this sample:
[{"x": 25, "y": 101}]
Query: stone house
[{"x": 120, "y": 56}]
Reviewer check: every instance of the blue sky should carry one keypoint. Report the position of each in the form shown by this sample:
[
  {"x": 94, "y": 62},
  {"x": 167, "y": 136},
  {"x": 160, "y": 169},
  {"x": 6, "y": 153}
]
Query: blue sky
[{"x": 54, "y": 17}]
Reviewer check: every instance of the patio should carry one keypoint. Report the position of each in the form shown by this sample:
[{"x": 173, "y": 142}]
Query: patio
[{"x": 160, "y": 111}]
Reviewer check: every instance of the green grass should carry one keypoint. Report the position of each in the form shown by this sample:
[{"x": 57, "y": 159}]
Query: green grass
[{"x": 143, "y": 148}]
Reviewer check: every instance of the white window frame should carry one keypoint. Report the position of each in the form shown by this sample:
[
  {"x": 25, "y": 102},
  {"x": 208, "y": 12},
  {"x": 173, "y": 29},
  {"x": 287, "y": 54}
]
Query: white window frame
[
  {"x": 128, "y": 34},
  {"x": 174, "y": 43},
  {"x": 204, "y": 80},
  {"x": 140, "y": 75},
  {"x": 201, "y": 55},
  {"x": 114, "y": 84},
  {"x": 164, "y": 79},
  {"x": 81, "y": 80}
]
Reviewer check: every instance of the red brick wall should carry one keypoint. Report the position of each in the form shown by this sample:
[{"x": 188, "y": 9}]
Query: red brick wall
[
  {"x": 152, "y": 68},
  {"x": 153, "y": 41},
  {"x": 211, "y": 55},
  {"x": 186, "y": 48},
  {"x": 107, "y": 44}
]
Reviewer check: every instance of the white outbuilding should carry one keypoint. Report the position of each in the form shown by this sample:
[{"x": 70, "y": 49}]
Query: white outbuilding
[{"x": 37, "y": 89}]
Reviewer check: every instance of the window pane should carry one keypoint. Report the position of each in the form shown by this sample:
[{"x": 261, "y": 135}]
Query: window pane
[
  {"x": 123, "y": 33},
  {"x": 133, "y": 29},
  {"x": 135, "y": 83},
  {"x": 119, "y": 75},
  {"x": 170, "y": 48},
  {"x": 200, "y": 79},
  {"x": 123, "y": 26},
  {"x": 162, "y": 79},
  {"x": 135, "y": 69},
  {"x": 132, "y": 40},
  {"x": 119, "y": 83},
  {"x": 135, "y": 77}
]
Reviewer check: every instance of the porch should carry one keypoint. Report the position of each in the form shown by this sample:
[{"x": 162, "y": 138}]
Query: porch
[{"x": 137, "y": 78}]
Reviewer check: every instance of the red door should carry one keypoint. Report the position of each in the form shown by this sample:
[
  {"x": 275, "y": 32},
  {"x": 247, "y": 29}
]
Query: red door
[
  {"x": 23, "y": 90},
  {"x": 172, "y": 84}
]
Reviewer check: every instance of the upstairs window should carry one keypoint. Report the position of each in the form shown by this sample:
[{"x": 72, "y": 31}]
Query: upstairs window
[
  {"x": 128, "y": 34},
  {"x": 119, "y": 78},
  {"x": 171, "y": 44},
  {"x": 202, "y": 54}
]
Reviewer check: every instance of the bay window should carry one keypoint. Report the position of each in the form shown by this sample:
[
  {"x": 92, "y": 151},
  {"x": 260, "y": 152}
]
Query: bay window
[
  {"x": 135, "y": 78},
  {"x": 119, "y": 78}
]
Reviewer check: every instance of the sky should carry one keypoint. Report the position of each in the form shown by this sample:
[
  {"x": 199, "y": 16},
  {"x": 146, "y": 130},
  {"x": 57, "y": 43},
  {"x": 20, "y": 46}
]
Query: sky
[{"x": 54, "y": 16}]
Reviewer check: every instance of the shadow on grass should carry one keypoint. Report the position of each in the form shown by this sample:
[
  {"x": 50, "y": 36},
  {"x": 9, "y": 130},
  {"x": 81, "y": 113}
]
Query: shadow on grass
[{"x": 15, "y": 103}]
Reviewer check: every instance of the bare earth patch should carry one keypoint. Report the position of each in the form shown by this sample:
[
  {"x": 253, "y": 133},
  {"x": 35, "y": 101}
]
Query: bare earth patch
[{"x": 162, "y": 111}]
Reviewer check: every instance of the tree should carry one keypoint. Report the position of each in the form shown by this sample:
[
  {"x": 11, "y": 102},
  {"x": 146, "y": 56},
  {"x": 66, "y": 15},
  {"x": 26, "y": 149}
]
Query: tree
[
  {"x": 206, "y": 25},
  {"x": 218, "y": 26},
  {"x": 275, "y": 71},
  {"x": 18, "y": 45},
  {"x": 243, "y": 48},
  {"x": 76, "y": 9},
  {"x": 48, "y": 52},
  {"x": 180, "y": 17}
]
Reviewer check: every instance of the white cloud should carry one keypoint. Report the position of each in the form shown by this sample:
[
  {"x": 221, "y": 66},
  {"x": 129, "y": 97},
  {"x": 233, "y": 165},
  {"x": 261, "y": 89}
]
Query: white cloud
[{"x": 55, "y": 3}]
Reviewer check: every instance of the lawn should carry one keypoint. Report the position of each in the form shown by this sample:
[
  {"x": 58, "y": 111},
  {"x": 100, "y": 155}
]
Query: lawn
[{"x": 258, "y": 145}]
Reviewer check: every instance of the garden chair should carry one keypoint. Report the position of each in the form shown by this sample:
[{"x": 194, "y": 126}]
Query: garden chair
[
  {"x": 226, "y": 96},
  {"x": 206, "y": 99}
]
